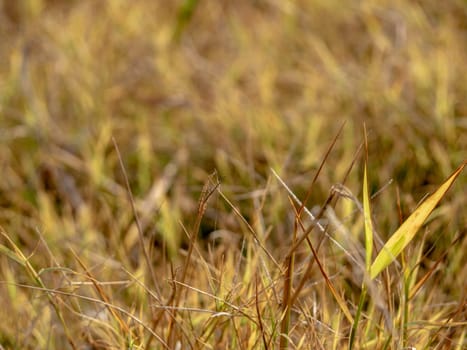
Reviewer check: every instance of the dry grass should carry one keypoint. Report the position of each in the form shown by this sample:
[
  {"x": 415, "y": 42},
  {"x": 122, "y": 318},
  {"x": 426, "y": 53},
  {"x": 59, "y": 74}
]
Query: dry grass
[{"x": 179, "y": 235}]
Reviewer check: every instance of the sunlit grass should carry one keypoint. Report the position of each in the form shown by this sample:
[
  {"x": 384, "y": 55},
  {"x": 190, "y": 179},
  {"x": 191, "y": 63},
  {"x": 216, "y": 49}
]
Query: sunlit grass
[{"x": 282, "y": 180}]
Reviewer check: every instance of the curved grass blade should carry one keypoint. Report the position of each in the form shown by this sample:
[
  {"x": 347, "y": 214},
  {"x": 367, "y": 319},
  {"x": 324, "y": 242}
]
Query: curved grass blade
[{"x": 406, "y": 232}]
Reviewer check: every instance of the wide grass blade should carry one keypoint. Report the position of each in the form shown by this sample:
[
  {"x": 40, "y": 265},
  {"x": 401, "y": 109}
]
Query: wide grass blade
[{"x": 406, "y": 232}]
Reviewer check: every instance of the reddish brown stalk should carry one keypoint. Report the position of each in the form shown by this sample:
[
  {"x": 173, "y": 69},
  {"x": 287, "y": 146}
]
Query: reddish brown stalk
[
  {"x": 209, "y": 188},
  {"x": 323, "y": 161},
  {"x": 422, "y": 281}
]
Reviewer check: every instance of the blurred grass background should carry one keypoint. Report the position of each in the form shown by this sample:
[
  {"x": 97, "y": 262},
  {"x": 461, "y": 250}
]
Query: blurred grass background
[{"x": 239, "y": 87}]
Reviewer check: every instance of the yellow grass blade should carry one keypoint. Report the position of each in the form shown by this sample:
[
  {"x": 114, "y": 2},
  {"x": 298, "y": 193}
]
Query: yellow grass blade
[
  {"x": 11, "y": 254},
  {"x": 368, "y": 224},
  {"x": 405, "y": 233}
]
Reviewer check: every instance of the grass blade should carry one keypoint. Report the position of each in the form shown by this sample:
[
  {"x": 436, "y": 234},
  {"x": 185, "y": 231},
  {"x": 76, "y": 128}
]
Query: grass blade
[
  {"x": 367, "y": 210},
  {"x": 368, "y": 249},
  {"x": 353, "y": 331},
  {"x": 405, "y": 233},
  {"x": 368, "y": 223},
  {"x": 12, "y": 255}
]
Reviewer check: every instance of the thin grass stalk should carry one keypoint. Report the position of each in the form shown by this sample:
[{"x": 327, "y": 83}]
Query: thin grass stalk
[
  {"x": 206, "y": 193},
  {"x": 405, "y": 315},
  {"x": 258, "y": 313},
  {"x": 286, "y": 297}
]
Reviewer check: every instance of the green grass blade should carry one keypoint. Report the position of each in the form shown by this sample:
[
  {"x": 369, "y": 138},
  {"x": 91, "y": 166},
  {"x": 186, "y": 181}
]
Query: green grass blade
[
  {"x": 405, "y": 233},
  {"x": 353, "y": 331},
  {"x": 185, "y": 14}
]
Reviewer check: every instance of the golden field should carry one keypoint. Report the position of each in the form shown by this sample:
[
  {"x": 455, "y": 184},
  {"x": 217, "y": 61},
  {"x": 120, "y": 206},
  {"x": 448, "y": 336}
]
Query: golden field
[{"x": 154, "y": 153}]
